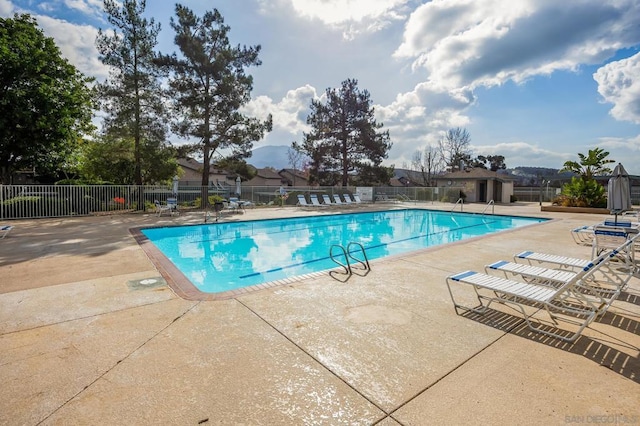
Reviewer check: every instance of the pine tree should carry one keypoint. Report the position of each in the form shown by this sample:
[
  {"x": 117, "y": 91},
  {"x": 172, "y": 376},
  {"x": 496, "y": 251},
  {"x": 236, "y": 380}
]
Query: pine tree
[
  {"x": 209, "y": 86},
  {"x": 345, "y": 137},
  {"x": 132, "y": 95}
]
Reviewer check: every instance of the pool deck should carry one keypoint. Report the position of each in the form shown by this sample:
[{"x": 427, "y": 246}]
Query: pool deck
[{"x": 91, "y": 334}]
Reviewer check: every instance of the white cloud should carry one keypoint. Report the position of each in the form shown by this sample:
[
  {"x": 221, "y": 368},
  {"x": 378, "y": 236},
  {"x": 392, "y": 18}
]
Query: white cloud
[
  {"x": 88, "y": 7},
  {"x": 624, "y": 150},
  {"x": 289, "y": 114},
  {"x": 351, "y": 17},
  {"x": 471, "y": 43},
  {"x": 6, "y": 8},
  {"x": 47, "y": 7},
  {"x": 77, "y": 44},
  {"x": 619, "y": 84},
  {"x": 421, "y": 117},
  {"x": 631, "y": 145}
]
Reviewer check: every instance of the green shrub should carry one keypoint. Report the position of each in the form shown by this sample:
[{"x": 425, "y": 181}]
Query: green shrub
[
  {"x": 212, "y": 199},
  {"x": 583, "y": 193}
]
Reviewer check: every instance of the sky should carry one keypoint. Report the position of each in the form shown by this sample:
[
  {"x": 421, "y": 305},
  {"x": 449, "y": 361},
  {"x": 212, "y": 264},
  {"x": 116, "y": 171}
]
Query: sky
[{"x": 537, "y": 81}]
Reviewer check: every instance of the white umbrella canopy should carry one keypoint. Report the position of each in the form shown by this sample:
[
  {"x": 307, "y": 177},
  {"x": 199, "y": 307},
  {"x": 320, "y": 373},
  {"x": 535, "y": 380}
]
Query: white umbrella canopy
[
  {"x": 238, "y": 186},
  {"x": 618, "y": 191}
]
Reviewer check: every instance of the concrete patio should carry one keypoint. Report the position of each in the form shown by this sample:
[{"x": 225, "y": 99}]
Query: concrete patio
[{"x": 85, "y": 340}]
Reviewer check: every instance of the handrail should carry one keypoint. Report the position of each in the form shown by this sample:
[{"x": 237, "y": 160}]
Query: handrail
[
  {"x": 348, "y": 254},
  {"x": 461, "y": 202},
  {"x": 346, "y": 266},
  {"x": 365, "y": 261},
  {"x": 492, "y": 204}
]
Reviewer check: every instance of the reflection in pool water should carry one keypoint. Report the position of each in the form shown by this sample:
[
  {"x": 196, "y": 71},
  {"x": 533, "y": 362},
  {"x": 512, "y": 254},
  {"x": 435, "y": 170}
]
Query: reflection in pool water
[{"x": 225, "y": 256}]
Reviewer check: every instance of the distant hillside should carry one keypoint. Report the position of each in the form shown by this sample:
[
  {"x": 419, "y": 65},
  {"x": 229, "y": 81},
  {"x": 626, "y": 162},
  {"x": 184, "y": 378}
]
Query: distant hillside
[{"x": 270, "y": 156}]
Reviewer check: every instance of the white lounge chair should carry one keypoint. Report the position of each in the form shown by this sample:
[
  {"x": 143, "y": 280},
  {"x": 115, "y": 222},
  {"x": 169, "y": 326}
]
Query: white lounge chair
[
  {"x": 566, "y": 303},
  {"x": 348, "y": 199},
  {"x": 236, "y": 205},
  {"x": 173, "y": 205},
  {"x": 302, "y": 201},
  {"x": 327, "y": 201},
  {"x": 5, "y": 230},
  {"x": 613, "y": 270},
  {"x": 554, "y": 259},
  {"x": 231, "y": 206},
  {"x": 315, "y": 202},
  {"x": 357, "y": 199},
  {"x": 610, "y": 237},
  {"x": 168, "y": 207},
  {"x": 337, "y": 200},
  {"x": 584, "y": 235}
]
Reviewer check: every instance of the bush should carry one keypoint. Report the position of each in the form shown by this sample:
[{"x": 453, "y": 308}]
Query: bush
[
  {"x": 211, "y": 199},
  {"x": 582, "y": 193}
]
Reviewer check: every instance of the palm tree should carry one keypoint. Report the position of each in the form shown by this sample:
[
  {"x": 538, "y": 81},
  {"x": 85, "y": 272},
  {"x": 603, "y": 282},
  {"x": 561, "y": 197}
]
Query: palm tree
[{"x": 593, "y": 164}]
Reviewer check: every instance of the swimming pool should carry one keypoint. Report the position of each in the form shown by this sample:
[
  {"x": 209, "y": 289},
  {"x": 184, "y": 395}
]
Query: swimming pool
[{"x": 226, "y": 256}]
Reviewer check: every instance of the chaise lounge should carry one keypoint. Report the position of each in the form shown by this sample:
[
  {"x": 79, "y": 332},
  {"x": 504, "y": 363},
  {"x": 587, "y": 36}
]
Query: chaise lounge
[
  {"x": 574, "y": 300},
  {"x": 5, "y": 230}
]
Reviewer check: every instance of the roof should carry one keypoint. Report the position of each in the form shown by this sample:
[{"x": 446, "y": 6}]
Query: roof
[
  {"x": 193, "y": 164},
  {"x": 268, "y": 173},
  {"x": 475, "y": 173},
  {"x": 297, "y": 173}
]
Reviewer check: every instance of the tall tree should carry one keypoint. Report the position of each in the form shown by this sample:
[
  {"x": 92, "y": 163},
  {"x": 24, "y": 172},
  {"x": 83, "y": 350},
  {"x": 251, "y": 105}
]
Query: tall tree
[
  {"x": 428, "y": 163},
  {"x": 111, "y": 158},
  {"x": 210, "y": 86},
  {"x": 455, "y": 148},
  {"x": 345, "y": 137},
  {"x": 132, "y": 95},
  {"x": 45, "y": 102},
  {"x": 296, "y": 159},
  {"x": 496, "y": 162}
]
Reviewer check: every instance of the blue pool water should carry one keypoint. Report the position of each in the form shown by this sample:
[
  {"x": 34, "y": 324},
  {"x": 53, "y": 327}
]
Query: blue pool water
[{"x": 226, "y": 256}]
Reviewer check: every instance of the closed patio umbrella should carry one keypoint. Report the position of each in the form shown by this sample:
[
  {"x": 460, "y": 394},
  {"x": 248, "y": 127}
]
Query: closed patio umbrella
[
  {"x": 618, "y": 191},
  {"x": 174, "y": 188},
  {"x": 238, "y": 186}
]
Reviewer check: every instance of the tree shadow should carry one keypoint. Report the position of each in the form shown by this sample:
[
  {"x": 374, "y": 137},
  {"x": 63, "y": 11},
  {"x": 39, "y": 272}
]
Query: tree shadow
[{"x": 87, "y": 236}]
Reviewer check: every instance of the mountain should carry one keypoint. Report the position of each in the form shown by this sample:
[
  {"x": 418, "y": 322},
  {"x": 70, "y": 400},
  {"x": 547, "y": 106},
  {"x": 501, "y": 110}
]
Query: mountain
[{"x": 270, "y": 156}]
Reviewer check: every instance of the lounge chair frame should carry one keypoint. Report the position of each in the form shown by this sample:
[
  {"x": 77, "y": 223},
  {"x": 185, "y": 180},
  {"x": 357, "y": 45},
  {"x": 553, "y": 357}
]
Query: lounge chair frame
[
  {"x": 575, "y": 300},
  {"x": 558, "y": 303},
  {"x": 5, "y": 229},
  {"x": 302, "y": 201},
  {"x": 337, "y": 200},
  {"x": 613, "y": 271},
  {"x": 584, "y": 235},
  {"x": 170, "y": 206},
  {"x": 327, "y": 200},
  {"x": 315, "y": 201}
]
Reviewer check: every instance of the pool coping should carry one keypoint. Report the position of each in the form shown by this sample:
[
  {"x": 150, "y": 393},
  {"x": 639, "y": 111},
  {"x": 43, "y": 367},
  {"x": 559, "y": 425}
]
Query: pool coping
[{"x": 185, "y": 289}]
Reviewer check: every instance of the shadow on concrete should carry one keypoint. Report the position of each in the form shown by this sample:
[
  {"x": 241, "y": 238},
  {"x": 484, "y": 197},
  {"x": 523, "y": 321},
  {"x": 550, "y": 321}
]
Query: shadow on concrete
[
  {"x": 38, "y": 238},
  {"x": 597, "y": 351}
]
